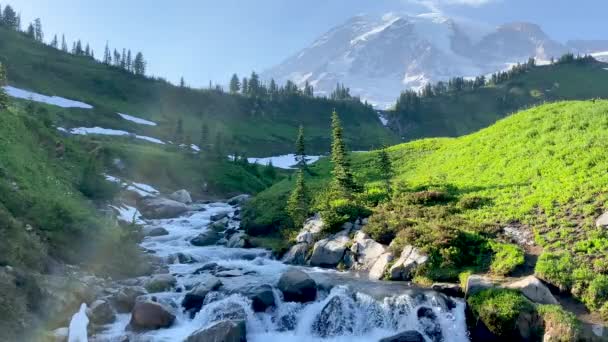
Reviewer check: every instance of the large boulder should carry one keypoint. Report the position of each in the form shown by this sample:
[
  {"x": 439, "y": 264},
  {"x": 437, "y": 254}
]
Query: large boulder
[
  {"x": 238, "y": 240},
  {"x": 406, "y": 336},
  {"x": 297, "y": 286},
  {"x": 150, "y": 316},
  {"x": 262, "y": 297},
  {"x": 337, "y": 318},
  {"x": 311, "y": 229},
  {"x": 296, "y": 254},
  {"x": 238, "y": 200},
  {"x": 160, "y": 208},
  {"x": 193, "y": 301},
  {"x": 125, "y": 298},
  {"x": 156, "y": 231},
  {"x": 222, "y": 331},
  {"x": 411, "y": 258},
  {"x": 366, "y": 251},
  {"x": 378, "y": 269},
  {"x": 477, "y": 283},
  {"x": 181, "y": 196},
  {"x": 329, "y": 252},
  {"x": 534, "y": 289},
  {"x": 207, "y": 238},
  {"x": 101, "y": 312},
  {"x": 160, "y": 283}
]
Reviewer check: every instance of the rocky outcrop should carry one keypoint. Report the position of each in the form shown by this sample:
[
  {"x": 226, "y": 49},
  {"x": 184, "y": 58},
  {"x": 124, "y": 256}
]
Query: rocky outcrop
[
  {"x": 297, "y": 286},
  {"x": 378, "y": 269},
  {"x": 160, "y": 208},
  {"x": 330, "y": 251},
  {"x": 181, "y": 196},
  {"x": 366, "y": 251},
  {"x": 534, "y": 289},
  {"x": 207, "y": 238},
  {"x": 160, "y": 283},
  {"x": 223, "y": 331},
  {"x": 477, "y": 283},
  {"x": 101, "y": 312},
  {"x": 150, "y": 316},
  {"x": 296, "y": 254},
  {"x": 125, "y": 298},
  {"x": 410, "y": 259},
  {"x": 406, "y": 336},
  {"x": 193, "y": 301},
  {"x": 238, "y": 240},
  {"x": 311, "y": 230},
  {"x": 238, "y": 200}
]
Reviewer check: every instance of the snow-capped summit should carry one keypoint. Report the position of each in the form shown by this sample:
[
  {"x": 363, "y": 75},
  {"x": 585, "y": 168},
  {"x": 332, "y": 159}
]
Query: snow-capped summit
[{"x": 379, "y": 56}]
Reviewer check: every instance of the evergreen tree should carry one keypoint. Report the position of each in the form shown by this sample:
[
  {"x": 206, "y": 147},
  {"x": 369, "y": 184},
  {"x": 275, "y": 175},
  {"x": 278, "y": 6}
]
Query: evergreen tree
[
  {"x": 182, "y": 83},
  {"x": 123, "y": 59},
  {"x": 269, "y": 171},
  {"x": 273, "y": 90},
  {"x": 116, "y": 58},
  {"x": 204, "y": 141},
  {"x": 3, "y": 96},
  {"x": 87, "y": 51},
  {"x": 253, "y": 89},
  {"x": 343, "y": 181},
  {"x": 107, "y": 56},
  {"x": 235, "y": 84},
  {"x": 79, "y": 51},
  {"x": 31, "y": 32},
  {"x": 384, "y": 167},
  {"x": 64, "y": 44},
  {"x": 301, "y": 150},
  {"x": 245, "y": 86},
  {"x": 308, "y": 89},
  {"x": 139, "y": 64},
  {"x": 10, "y": 18},
  {"x": 129, "y": 64},
  {"x": 299, "y": 201},
  {"x": 38, "y": 35},
  {"x": 55, "y": 42}
]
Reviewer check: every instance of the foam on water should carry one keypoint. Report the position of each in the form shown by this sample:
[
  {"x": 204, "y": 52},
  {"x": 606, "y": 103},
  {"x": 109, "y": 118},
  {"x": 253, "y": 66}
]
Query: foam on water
[{"x": 354, "y": 317}]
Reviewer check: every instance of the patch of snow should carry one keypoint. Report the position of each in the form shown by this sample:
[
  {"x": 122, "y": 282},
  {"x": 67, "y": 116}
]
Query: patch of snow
[
  {"x": 389, "y": 20},
  {"x": 128, "y": 214},
  {"x": 108, "y": 131},
  {"x": 114, "y": 179},
  {"x": 61, "y": 129},
  {"x": 52, "y": 100},
  {"x": 195, "y": 148},
  {"x": 600, "y": 54},
  {"x": 382, "y": 119},
  {"x": 77, "y": 331},
  {"x": 141, "y": 189},
  {"x": 605, "y": 68},
  {"x": 287, "y": 161},
  {"x": 145, "y": 187},
  {"x": 136, "y": 119}
]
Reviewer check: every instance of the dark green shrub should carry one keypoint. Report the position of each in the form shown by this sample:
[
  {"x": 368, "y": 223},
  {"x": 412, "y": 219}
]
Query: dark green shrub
[
  {"x": 339, "y": 211},
  {"x": 561, "y": 324},
  {"x": 428, "y": 197},
  {"x": 597, "y": 292},
  {"x": 499, "y": 309},
  {"x": 471, "y": 202},
  {"x": 506, "y": 258},
  {"x": 555, "y": 268}
]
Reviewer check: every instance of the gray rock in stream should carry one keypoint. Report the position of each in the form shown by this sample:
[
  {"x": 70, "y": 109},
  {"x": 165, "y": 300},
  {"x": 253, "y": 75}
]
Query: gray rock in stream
[
  {"x": 181, "y": 196},
  {"x": 160, "y": 208},
  {"x": 160, "y": 283},
  {"x": 329, "y": 252},
  {"x": 101, "y": 312},
  {"x": 150, "y": 316},
  {"x": 125, "y": 298},
  {"x": 208, "y": 238},
  {"x": 223, "y": 331},
  {"x": 336, "y": 318},
  {"x": 411, "y": 258},
  {"x": 193, "y": 301},
  {"x": 296, "y": 254},
  {"x": 406, "y": 336},
  {"x": 238, "y": 200},
  {"x": 297, "y": 286}
]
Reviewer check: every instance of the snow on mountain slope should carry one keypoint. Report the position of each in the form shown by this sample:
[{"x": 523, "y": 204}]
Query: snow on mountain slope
[{"x": 378, "y": 57}]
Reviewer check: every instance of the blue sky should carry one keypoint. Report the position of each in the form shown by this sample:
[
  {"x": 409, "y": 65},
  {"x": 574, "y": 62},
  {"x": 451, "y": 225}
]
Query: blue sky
[{"x": 210, "y": 39}]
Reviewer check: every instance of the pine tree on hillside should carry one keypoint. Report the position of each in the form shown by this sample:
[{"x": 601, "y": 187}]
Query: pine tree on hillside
[
  {"x": 245, "y": 86},
  {"x": 10, "y": 18},
  {"x": 269, "y": 171},
  {"x": 343, "y": 181},
  {"x": 300, "y": 157},
  {"x": 204, "y": 141},
  {"x": 139, "y": 64},
  {"x": 64, "y": 44},
  {"x": 31, "y": 33},
  {"x": 38, "y": 34},
  {"x": 123, "y": 59},
  {"x": 253, "y": 89},
  {"x": 3, "y": 95},
  {"x": 273, "y": 90},
  {"x": 129, "y": 64},
  {"x": 299, "y": 201},
  {"x": 384, "y": 167},
  {"x": 308, "y": 90},
  {"x": 87, "y": 50},
  {"x": 78, "y": 50},
  {"x": 182, "y": 83},
  {"x": 107, "y": 56},
  {"x": 116, "y": 58},
  {"x": 235, "y": 84},
  {"x": 55, "y": 42}
]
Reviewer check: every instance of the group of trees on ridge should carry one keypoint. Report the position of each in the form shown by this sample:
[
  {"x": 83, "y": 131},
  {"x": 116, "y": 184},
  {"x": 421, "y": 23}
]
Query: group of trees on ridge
[{"x": 134, "y": 63}]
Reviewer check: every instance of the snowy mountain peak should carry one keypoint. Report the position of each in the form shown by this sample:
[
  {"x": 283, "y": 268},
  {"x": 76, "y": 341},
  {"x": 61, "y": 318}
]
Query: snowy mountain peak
[{"x": 380, "y": 56}]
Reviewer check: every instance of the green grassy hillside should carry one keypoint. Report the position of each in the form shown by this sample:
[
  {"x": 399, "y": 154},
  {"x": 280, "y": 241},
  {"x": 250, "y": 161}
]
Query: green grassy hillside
[
  {"x": 543, "y": 171},
  {"x": 256, "y": 126},
  {"x": 464, "y": 112}
]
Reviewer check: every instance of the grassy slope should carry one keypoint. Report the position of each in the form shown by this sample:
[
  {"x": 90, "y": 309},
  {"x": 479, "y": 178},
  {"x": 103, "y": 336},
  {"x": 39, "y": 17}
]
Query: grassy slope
[
  {"x": 469, "y": 111},
  {"x": 269, "y": 129}
]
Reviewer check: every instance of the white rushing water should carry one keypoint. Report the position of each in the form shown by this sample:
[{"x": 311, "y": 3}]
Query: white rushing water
[{"x": 362, "y": 310}]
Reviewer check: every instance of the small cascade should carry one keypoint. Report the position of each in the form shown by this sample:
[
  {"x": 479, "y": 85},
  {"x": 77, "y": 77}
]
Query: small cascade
[
  {"x": 77, "y": 331},
  {"x": 349, "y": 309}
]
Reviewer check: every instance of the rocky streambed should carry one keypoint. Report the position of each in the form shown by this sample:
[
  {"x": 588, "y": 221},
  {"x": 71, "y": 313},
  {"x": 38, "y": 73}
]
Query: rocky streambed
[{"x": 210, "y": 287}]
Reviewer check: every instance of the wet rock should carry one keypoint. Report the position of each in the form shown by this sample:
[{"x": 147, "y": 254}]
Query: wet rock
[
  {"x": 262, "y": 297},
  {"x": 194, "y": 300},
  {"x": 297, "y": 286},
  {"x": 366, "y": 251},
  {"x": 379, "y": 268},
  {"x": 230, "y": 274},
  {"x": 238, "y": 200},
  {"x": 220, "y": 225},
  {"x": 210, "y": 267},
  {"x": 150, "y": 316},
  {"x": 219, "y": 216},
  {"x": 223, "y": 331},
  {"x": 349, "y": 259},
  {"x": 296, "y": 254},
  {"x": 160, "y": 283},
  {"x": 208, "y": 238},
  {"x": 181, "y": 196},
  {"x": 158, "y": 231},
  {"x": 477, "y": 283},
  {"x": 101, "y": 312},
  {"x": 335, "y": 319},
  {"x": 329, "y": 252},
  {"x": 534, "y": 289},
  {"x": 228, "y": 233},
  {"x": 305, "y": 237},
  {"x": 410, "y": 259},
  {"x": 406, "y": 336},
  {"x": 430, "y": 326},
  {"x": 181, "y": 258},
  {"x": 449, "y": 289},
  {"x": 125, "y": 298},
  {"x": 238, "y": 240},
  {"x": 160, "y": 208}
]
